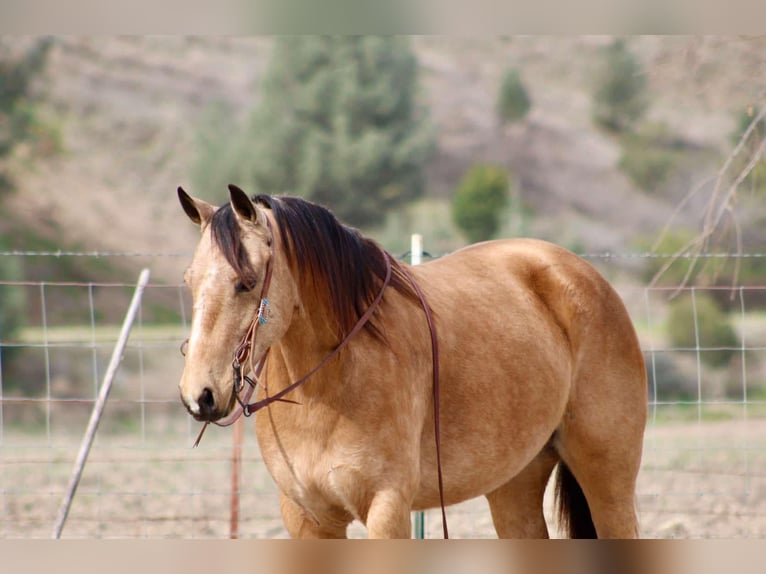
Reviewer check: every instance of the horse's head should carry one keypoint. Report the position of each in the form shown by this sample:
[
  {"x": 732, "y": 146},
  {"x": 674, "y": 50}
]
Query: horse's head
[{"x": 226, "y": 279}]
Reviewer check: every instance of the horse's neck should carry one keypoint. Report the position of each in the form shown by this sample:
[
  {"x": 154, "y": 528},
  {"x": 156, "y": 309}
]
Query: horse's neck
[{"x": 310, "y": 338}]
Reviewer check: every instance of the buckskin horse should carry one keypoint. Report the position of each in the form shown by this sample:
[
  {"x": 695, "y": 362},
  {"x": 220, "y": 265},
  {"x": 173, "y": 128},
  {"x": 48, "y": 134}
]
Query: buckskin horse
[{"x": 385, "y": 388}]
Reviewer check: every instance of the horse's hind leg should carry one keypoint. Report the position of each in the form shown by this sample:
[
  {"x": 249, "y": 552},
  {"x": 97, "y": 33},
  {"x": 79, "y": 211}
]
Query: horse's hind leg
[
  {"x": 517, "y": 506},
  {"x": 600, "y": 437},
  {"x": 603, "y": 452},
  {"x": 609, "y": 484}
]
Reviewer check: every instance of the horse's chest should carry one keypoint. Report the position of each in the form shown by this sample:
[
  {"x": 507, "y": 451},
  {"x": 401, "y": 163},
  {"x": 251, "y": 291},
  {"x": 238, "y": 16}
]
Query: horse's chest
[{"x": 311, "y": 468}]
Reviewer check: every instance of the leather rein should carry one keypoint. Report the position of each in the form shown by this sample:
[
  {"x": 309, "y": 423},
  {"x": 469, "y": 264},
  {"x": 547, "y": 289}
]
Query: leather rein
[{"x": 243, "y": 355}]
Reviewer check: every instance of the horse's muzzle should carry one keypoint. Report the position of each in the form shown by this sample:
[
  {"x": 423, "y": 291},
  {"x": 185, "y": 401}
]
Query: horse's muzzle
[
  {"x": 207, "y": 406},
  {"x": 204, "y": 407}
]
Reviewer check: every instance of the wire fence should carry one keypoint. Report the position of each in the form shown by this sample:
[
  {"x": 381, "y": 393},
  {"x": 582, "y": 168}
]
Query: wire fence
[{"x": 704, "y": 464}]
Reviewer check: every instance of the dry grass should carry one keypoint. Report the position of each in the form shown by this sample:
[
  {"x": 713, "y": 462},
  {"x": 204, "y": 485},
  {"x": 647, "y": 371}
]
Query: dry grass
[{"x": 698, "y": 480}]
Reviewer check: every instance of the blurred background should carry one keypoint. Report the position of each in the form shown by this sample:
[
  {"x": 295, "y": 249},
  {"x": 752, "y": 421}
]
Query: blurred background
[
  {"x": 599, "y": 138},
  {"x": 644, "y": 154}
]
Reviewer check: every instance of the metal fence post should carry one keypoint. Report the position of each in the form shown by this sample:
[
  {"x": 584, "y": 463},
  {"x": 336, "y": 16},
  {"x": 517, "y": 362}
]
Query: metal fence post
[{"x": 416, "y": 255}]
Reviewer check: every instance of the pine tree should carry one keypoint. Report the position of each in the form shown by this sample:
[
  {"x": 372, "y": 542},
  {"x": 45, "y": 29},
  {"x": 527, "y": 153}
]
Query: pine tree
[
  {"x": 17, "y": 122},
  {"x": 339, "y": 123},
  {"x": 17, "y": 111},
  {"x": 621, "y": 95},
  {"x": 513, "y": 101}
]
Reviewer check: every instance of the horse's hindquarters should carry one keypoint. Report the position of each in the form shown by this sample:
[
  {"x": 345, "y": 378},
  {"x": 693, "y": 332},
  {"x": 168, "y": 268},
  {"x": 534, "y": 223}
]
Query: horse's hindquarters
[{"x": 542, "y": 353}]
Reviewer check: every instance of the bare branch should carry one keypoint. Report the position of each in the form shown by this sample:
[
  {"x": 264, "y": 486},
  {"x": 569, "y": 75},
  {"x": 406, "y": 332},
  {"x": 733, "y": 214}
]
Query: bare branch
[{"x": 719, "y": 205}]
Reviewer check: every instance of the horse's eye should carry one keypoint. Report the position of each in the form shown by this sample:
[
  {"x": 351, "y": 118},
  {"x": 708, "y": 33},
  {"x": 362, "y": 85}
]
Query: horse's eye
[{"x": 240, "y": 287}]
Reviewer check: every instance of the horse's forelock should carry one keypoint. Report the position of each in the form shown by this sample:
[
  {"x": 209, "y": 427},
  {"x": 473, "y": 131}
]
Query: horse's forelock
[{"x": 227, "y": 237}]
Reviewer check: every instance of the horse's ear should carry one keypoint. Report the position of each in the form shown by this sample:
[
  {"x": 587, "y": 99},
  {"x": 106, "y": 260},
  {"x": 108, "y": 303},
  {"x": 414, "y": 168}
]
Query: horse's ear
[
  {"x": 244, "y": 207},
  {"x": 199, "y": 211}
]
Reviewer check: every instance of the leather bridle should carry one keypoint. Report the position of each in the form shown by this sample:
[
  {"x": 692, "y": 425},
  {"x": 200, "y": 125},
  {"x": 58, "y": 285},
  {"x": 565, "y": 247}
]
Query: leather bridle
[{"x": 243, "y": 354}]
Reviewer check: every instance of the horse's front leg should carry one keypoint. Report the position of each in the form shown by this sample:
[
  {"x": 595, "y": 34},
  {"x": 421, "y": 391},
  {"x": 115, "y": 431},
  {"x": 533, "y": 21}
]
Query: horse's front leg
[
  {"x": 389, "y": 515},
  {"x": 301, "y": 525}
]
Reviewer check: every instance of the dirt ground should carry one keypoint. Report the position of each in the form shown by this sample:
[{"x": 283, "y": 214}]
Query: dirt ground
[{"x": 698, "y": 480}]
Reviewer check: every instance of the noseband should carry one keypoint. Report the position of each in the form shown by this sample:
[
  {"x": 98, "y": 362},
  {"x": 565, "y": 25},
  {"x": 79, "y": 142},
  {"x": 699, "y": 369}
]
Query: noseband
[{"x": 243, "y": 354}]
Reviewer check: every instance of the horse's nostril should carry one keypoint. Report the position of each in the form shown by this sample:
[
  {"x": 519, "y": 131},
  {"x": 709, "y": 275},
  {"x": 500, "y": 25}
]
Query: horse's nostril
[{"x": 206, "y": 402}]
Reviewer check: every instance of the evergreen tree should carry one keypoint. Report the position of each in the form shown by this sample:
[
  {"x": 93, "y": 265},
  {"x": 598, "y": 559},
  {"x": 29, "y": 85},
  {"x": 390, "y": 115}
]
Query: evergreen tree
[
  {"x": 621, "y": 95},
  {"x": 338, "y": 123},
  {"x": 17, "y": 111},
  {"x": 513, "y": 101},
  {"x": 17, "y": 124}
]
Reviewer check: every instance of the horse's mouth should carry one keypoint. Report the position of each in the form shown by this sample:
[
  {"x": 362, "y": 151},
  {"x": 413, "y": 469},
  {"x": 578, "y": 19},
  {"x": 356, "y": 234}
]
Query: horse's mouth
[
  {"x": 198, "y": 415},
  {"x": 205, "y": 409},
  {"x": 203, "y": 418}
]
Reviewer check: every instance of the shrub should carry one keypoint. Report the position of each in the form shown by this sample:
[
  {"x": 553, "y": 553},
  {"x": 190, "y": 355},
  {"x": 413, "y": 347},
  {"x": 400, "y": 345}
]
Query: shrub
[
  {"x": 755, "y": 181},
  {"x": 479, "y": 201},
  {"x": 713, "y": 326},
  {"x": 743, "y": 120},
  {"x": 712, "y": 271},
  {"x": 12, "y": 304},
  {"x": 671, "y": 242},
  {"x": 650, "y": 154},
  {"x": 647, "y": 165},
  {"x": 671, "y": 383},
  {"x": 513, "y": 101},
  {"x": 620, "y": 98},
  {"x": 12, "y": 299}
]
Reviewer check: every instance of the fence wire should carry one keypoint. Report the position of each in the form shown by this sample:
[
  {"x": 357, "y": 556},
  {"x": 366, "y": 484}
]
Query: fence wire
[{"x": 704, "y": 463}]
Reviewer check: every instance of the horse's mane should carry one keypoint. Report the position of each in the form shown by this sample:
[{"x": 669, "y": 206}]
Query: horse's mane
[{"x": 343, "y": 266}]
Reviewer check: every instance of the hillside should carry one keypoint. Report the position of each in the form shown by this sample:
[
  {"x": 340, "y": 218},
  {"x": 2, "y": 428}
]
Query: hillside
[{"x": 129, "y": 107}]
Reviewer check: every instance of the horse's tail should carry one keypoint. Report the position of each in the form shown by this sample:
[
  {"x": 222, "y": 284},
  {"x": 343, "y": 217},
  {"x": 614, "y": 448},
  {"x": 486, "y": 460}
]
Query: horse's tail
[{"x": 571, "y": 506}]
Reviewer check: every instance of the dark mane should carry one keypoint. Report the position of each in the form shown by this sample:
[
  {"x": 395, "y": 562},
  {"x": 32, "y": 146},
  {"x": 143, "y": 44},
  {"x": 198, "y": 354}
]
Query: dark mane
[{"x": 345, "y": 267}]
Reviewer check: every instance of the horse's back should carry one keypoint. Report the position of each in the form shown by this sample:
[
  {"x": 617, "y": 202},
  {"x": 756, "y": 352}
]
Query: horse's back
[
  {"x": 526, "y": 278},
  {"x": 520, "y": 261}
]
